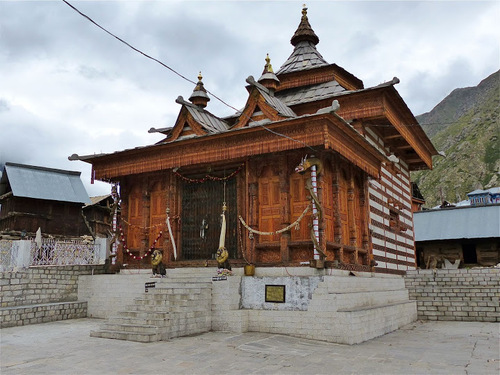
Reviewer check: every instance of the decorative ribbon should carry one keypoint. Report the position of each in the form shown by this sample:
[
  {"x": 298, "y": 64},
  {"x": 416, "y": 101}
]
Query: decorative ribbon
[{"x": 171, "y": 235}]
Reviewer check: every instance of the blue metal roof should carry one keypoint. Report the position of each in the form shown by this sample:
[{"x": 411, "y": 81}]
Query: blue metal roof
[
  {"x": 43, "y": 183},
  {"x": 457, "y": 223}
]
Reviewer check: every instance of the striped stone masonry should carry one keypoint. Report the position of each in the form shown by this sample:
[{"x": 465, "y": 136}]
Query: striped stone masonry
[{"x": 462, "y": 294}]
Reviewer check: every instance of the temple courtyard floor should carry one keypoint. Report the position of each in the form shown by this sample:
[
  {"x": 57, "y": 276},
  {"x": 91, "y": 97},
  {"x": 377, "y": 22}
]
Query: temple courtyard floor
[{"x": 65, "y": 347}]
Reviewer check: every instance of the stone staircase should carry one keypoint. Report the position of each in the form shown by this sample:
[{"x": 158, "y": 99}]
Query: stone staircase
[
  {"x": 364, "y": 307},
  {"x": 343, "y": 309},
  {"x": 176, "y": 306}
]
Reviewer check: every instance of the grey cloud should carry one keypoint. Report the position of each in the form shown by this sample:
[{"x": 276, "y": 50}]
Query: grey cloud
[{"x": 4, "y": 105}]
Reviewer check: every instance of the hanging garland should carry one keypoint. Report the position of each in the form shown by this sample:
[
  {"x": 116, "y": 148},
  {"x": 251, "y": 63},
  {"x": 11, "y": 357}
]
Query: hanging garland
[
  {"x": 124, "y": 244},
  {"x": 295, "y": 225},
  {"x": 141, "y": 227},
  {"x": 209, "y": 177}
]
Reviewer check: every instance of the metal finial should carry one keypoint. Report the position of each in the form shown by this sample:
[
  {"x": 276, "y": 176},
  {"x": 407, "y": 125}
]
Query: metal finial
[
  {"x": 304, "y": 10},
  {"x": 200, "y": 77},
  {"x": 268, "y": 68}
]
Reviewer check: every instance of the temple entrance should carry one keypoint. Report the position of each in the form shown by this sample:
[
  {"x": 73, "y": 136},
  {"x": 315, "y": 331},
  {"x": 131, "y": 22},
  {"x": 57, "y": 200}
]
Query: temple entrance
[{"x": 201, "y": 219}]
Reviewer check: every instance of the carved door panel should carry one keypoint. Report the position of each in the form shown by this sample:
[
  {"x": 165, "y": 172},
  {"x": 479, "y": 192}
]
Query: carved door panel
[
  {"x": 157, "y": 220},
  {"x": 201, "y": 219},
  {"x": 270, "y": 209},
  {"x": 298, "y": 203},
  {"x": 135, "y": 219},
  {"x": 328, "y": 208}
]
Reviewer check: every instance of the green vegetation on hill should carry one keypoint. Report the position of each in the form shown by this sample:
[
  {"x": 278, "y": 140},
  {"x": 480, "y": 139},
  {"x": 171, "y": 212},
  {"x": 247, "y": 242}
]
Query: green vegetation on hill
[{"x": 465, "y": 126}]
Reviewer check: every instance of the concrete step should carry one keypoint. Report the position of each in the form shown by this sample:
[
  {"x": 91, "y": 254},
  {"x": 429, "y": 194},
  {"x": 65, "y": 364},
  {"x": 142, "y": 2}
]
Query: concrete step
[
  {"x": 174, "y": 307},
  {"x": 149, "y": 321},
  {"x": 141, "y": 315},
  {"x": 357, "y": 300},
  {"x": 373, "y": 307},
  {"x": 129, "y": 336},
  {"x": 180, "y": 284},
  {"x": 134, "y": 328},
  {"x": 340, "y": 284}
]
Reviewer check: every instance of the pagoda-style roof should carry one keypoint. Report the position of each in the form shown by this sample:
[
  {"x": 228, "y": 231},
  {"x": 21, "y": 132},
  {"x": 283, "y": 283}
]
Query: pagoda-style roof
[
  {"x": 305, "y": 56},
  {"x": 301, "y": 92},
  {"x": 313, "y": 93}
]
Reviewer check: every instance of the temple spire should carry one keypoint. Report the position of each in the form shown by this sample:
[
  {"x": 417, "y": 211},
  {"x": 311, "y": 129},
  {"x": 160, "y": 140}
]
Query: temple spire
[
  {"x": 304, "y": 32},
  {"x": 199, "y": 96},
  {"x": 305, "y": 55},
  {"x": 268, "y": 78}
]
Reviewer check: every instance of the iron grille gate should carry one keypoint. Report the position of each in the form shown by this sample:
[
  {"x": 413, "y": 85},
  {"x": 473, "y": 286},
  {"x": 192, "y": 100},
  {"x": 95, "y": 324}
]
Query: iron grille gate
[{"x": 201, "y": 219}]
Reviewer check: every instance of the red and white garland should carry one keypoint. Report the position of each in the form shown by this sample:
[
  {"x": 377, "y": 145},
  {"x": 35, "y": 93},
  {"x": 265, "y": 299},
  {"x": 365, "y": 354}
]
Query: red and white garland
[
  {"x": 209, "y": 177},
  {"x": 124, "y": 244}
]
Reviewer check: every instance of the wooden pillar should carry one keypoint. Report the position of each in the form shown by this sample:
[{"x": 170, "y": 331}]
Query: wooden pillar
[
  {"x": 145, "y": 216},
  {"x": 124, "y": 193},
  {"x": 337, "y": 233},
  {"x": 252, "y": 215},
  {"x": 365, "y": 212},
  {"x": 242, "y": 203},
  {"x": 174, "y": 205},
  {"x": 321, "y": 191},
  {"x": 284, "y": 180},
  {"x": 351, "y": 217}
]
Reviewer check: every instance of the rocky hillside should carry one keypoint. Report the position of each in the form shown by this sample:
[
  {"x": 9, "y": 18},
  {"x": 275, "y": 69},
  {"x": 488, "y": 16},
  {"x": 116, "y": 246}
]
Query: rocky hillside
[{"x": 465, "y": 125}]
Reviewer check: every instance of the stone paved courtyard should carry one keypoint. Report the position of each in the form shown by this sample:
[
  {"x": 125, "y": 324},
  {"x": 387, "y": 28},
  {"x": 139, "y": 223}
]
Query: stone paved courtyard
[{"x": 65, "y": 347}]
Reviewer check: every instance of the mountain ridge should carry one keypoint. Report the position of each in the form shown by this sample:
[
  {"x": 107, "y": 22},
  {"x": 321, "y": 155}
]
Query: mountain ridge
[{"x": 465, "y": 126}]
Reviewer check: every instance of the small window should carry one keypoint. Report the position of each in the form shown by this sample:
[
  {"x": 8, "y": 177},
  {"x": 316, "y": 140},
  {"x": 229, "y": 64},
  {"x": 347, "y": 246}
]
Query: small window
[
  {"x": 394, "y": 220},
  {"x": 469, "y": 253}
]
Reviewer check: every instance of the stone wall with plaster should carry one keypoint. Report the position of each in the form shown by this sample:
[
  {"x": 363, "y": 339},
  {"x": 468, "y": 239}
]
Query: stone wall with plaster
[{"x": 298, "y": 292}]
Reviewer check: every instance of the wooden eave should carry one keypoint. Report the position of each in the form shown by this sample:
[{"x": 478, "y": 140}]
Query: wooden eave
[
  {"x": 384, "y": 109},
  {"x": 180, "y": 126},
  {"x": 323, "y": 131},
  {"x": 322, "y": 74},
  {"x": 255, "y": 99}
]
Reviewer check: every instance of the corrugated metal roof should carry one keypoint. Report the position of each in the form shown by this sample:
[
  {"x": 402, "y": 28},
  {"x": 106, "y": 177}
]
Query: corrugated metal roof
[
  {"x": 97, "y": 199},
  {"x": 457, "y": 223},
  {"x": 210, "y": 122},
  {"x": 304, "y": 56},
  {"x": 45, "y": 183},
  {"x": 495, "y": 190},
  {"x": 310, "y": 93}
]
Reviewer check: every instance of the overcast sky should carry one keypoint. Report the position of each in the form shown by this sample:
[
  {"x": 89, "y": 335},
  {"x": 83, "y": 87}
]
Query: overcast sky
[{"x": 68, "y": 87}]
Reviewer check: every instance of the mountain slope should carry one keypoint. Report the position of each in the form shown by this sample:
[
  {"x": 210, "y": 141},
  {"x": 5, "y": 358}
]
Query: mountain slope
[{"x": 465, "y": 126}]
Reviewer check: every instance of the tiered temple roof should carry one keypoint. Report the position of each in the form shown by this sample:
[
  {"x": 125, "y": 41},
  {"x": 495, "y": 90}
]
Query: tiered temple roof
[{"x": 305, "y": 85}]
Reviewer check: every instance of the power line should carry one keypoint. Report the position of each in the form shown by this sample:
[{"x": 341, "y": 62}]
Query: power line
[
  {"x": 211, "y": 93},
  {"x": 179, "y": 74}
]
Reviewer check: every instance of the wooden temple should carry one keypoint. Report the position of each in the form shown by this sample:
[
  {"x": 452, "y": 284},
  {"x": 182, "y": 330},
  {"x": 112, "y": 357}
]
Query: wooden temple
[{"x": 313, "y": 171}]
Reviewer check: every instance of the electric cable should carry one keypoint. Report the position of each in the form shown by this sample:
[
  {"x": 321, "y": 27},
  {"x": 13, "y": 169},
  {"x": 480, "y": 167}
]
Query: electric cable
[{"x": 179, "y": 74}]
